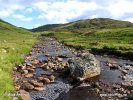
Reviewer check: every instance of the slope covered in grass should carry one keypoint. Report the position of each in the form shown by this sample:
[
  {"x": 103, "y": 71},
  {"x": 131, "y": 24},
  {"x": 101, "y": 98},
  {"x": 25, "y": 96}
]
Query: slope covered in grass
[
  {"x": 113, "y": 41},
  {"x": 86, "y": 26},
  {"x": 14, "y": 43}
]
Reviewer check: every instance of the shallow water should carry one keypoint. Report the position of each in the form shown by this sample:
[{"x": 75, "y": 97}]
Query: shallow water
[{"x": 61, "y": 89}]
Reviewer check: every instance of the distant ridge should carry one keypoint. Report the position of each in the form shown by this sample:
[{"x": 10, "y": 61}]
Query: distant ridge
[{"x": 85, "y": 26}]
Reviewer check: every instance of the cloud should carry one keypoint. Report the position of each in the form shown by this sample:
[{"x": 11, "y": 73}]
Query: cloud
[
  {"x": 29, "y": 10},
  {"x": 5, "y": 12},
  {"x": 61, "y": 12},
  {"x": 36, "y": 25},
  {"x": 22, "y": 17},
  {"x": 129, "y": 19},
  {"x": 119, "y": 8}
]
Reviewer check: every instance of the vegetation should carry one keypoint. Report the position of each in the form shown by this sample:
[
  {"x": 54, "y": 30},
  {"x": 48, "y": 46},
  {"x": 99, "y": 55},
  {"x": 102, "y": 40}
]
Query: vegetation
[
  {"x": 112, "y": 41},
  {"x": 87, "y": 26},
  {"x": 14, "y": 44}
]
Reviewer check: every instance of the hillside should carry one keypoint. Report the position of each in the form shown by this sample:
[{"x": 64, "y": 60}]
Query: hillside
[
  {"x": 14, "y": 43},
  {"x": 87, "y": 26},
  {"x": 45, "y": 27}
]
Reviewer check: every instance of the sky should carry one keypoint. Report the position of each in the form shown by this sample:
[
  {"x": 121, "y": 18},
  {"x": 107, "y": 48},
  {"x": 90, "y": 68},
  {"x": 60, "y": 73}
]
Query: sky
[{"x": 34, "y": 13}]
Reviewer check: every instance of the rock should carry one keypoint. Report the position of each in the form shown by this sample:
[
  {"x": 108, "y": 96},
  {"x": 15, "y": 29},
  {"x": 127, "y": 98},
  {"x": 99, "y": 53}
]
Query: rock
[
  {"x": 124, "y": 77},
  {"x": 30, "y": 69},
  {"x": 39, "y": 88},
  {"x": 124, "y": 71},
  {"x": 82, "y": 69},
  {"x": 35, "y": 83},
  {"x": 113, "y": 65},
  {"x": 28, "y": 86},
  {"x": 40, "y": 78},
  {"x": 15, "y": 68},
  {"x": 35, "y": 62},
  {"x": 59, "y": 59},
  {"x": 51, "y": 65},
  {"x": 97, "y": 90},
  {"x": 46, "y": 80},
  {"x": 25, "y": 71},
  {"x": 25, "y": 95},
  {"x": 23, "y": 67},
  {"x": 52, "y": 78},
  {"x": 17, "y": 87},
  {"x": 28, "y": 75}
]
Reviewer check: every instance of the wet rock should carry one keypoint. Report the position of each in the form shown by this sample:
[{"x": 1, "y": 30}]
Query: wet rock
[
  {"x": 124, "y": 77},
  {"x": 81, "y": 69},
  {"x": 113, "y": 65},
  {"x": 124, "y": 71},
  {"x": 39, "y": 88},
  {"x": 97, "y": 90}
]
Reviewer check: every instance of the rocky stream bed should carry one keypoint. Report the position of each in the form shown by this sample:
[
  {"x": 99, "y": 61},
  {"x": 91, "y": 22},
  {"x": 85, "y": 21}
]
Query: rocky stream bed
[{"x": 52, "y": 71}]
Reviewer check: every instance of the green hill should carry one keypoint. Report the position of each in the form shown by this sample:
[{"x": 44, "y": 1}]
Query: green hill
[
  {"x": 87, "y": 26},
  {"x": 45, "y": 27},
  {"x": 14, "y": 43}
]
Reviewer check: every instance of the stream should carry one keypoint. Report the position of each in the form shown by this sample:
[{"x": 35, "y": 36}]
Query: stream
[{"x": 114, "y": 83}]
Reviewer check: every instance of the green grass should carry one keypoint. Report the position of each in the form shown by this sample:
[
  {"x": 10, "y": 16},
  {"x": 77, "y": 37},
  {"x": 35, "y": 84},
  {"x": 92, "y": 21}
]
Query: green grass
[
  {"x": 112, "y": 41},
  {"x": 14, "y": 44}
]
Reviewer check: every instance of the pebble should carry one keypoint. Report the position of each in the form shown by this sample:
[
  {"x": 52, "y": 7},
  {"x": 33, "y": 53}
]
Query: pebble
[
  {"x": 28, "y": 86},
  {"x": 28, "y": 75},
  {"x": 46, "y": 80},
  {"x": 39, "y": 88},
  {"x": 124, "y": 71}
]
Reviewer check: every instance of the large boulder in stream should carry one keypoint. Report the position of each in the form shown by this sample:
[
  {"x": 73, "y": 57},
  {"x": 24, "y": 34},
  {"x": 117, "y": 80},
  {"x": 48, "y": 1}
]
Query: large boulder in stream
[{"x": 85, "y": 66}]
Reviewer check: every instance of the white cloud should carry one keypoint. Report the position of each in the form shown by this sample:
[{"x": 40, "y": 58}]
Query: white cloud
[
  {"x": 61, "y": 12},
  {"x": 37, "y": 25},
  {"x": 29, "y": 10},
  {"x": 129, "y": 19},
  {"x": 119, "y": 8},
  {"x": 5, "y": 12},
  {"x": 22, "y": 17},
  {"x": 94, "y": 16}
]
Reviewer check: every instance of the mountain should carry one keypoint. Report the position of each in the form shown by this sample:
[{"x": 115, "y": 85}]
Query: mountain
[{"x": 86, "y": 26}]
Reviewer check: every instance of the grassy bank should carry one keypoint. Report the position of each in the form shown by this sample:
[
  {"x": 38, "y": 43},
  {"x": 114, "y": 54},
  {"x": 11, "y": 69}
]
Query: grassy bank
[
  {"x": 14, "y": 43},
  {"x": 112, "y": 41}
]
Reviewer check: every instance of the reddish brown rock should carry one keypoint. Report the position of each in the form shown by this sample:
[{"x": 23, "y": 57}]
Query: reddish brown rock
[
  {"x": 28, "y": 75},
  {"x": 39, "y": 88},
  {"x": 46, "y": 80}
]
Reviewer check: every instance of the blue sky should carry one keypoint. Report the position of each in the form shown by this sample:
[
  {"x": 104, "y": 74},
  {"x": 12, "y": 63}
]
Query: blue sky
[{"x": 33, "y": 13}]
